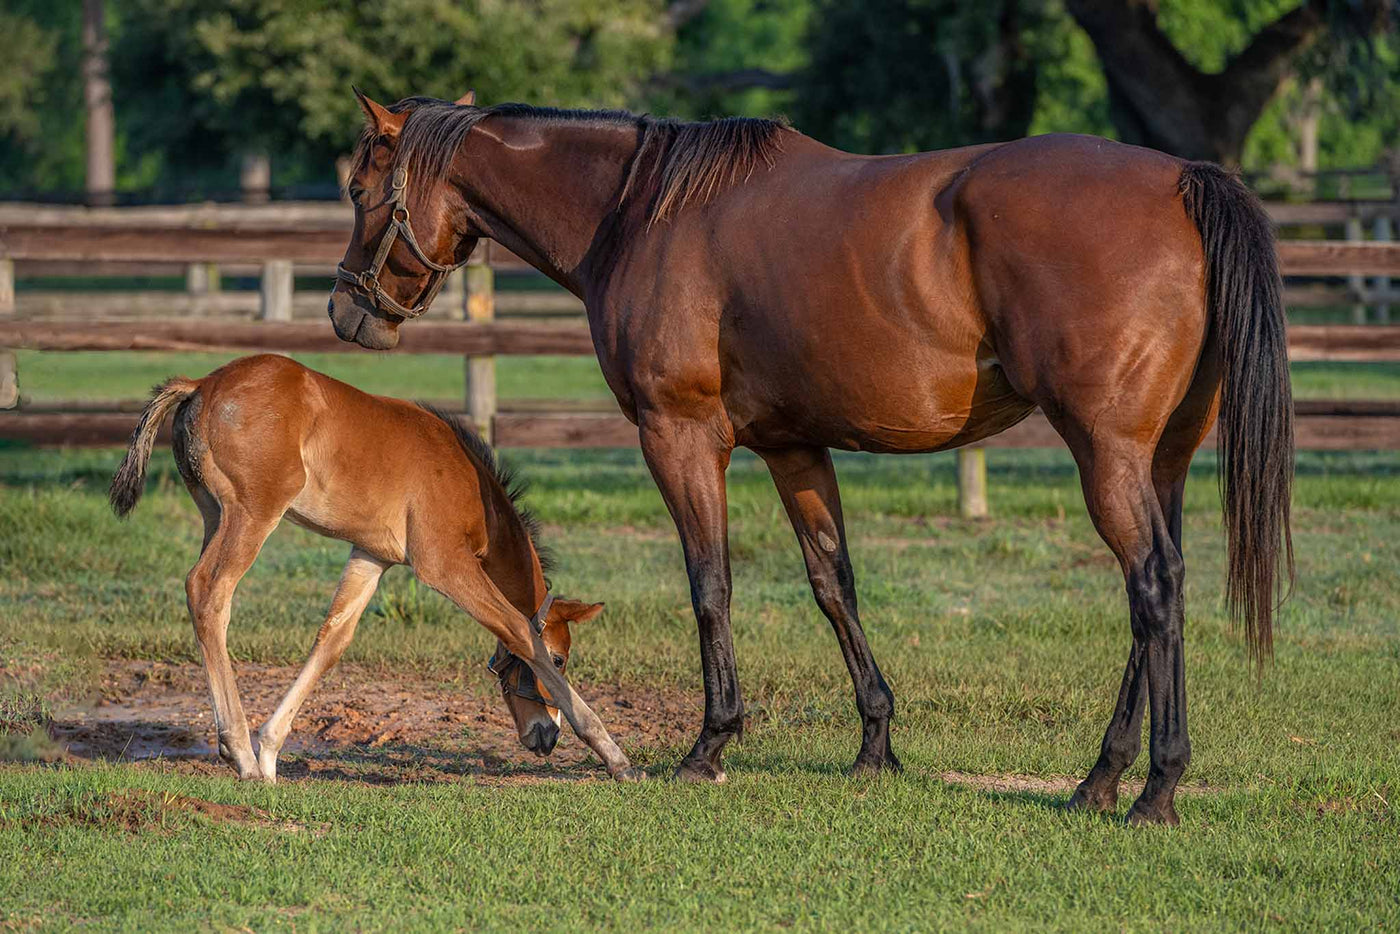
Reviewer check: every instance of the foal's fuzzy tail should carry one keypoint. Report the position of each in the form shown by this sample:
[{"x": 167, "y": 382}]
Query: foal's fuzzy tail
[
  {"x": 130, "y": 479},
  {"x": 1245, "y": 296}
]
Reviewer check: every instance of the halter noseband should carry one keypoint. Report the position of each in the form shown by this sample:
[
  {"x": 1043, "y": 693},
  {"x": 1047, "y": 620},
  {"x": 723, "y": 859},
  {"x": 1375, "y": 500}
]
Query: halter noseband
[
  {"x": 525, "y": 688},
  {"x": 367, "y": 281}
]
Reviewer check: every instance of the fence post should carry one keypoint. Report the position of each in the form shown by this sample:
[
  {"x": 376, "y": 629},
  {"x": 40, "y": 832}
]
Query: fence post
[
  {"x": 7, "y": 285},
  {"x": 1356, "y": 285},
  {"x": 1383, "y": 231},
  {"x": 9, "y": 372},
  {"x": 481, "y": 371},
  {"x": 276, "y": 294},
  {"x": 972, "y": 483},
  {"x": 454, "y": 295},
  {"x": 202, "y": 278}
]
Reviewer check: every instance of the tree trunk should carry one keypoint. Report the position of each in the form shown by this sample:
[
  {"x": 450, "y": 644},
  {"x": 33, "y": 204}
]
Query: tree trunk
[
  {"x": 1159, "y": 99},
  {"x": 97, "y": 95}
]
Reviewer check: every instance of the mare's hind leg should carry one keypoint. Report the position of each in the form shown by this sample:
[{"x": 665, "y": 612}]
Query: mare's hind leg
[
  {"x": 209, "y": 588},
  {"x": 806, "y": 481},
  {"x": 357, "y": 585},
  {"x": 1124, "y": 503}
]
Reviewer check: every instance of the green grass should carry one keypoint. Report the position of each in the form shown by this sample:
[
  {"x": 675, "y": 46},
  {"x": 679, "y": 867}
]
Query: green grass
[
  {"x": 48, "y": 375},
  {"x": 45, "y": 376},
  {"x": 1004, "y": 641}
]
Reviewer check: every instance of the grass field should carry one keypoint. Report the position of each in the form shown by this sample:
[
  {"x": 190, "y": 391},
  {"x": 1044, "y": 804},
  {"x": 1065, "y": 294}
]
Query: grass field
[{"x": 1004, "y": 641}]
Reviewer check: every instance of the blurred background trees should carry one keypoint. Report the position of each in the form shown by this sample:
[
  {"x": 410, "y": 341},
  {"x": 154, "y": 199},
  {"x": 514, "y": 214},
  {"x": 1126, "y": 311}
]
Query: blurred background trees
[{"x": 205, "y": 89}]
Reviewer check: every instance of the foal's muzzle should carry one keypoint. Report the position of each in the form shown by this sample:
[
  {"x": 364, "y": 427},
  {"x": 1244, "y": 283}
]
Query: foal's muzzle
[{"x": 542, "y": 738}]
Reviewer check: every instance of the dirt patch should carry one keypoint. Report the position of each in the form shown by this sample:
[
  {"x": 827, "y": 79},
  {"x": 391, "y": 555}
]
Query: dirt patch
[
  {"x": 358, "y": 725},
  {"x": 135, "y": 811}
]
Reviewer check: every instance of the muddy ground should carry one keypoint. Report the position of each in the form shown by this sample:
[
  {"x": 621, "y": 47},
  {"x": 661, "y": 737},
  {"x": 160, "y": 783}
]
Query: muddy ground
[{"x": 358, "y": 725}]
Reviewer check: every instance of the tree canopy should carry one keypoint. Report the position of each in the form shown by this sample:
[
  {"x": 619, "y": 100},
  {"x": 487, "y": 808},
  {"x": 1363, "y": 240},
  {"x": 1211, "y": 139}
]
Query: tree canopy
[{"x": 197, "y": 83}]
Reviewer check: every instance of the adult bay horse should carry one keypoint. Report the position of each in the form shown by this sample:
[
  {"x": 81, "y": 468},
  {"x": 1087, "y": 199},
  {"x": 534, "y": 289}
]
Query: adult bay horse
[{"x": 747, "y": 285}]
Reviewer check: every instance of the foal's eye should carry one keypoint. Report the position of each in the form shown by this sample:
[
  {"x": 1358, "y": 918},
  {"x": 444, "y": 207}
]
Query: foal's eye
[{"x": 558, "y": 661}]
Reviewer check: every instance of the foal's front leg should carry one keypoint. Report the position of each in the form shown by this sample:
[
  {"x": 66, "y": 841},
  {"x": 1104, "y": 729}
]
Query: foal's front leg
[
  {"x": 466, "y": 584},
  {"x": 357, "y": 585}
]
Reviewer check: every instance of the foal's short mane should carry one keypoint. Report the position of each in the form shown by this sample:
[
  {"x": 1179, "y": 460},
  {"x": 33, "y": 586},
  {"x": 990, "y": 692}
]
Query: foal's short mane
[
  {"x": 511, "y": 484},
  {"x": 689, "y": 161}
]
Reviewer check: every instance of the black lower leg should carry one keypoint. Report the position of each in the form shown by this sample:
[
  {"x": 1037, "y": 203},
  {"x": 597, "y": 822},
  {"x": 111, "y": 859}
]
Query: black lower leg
[
  {"x": 833, "y": 585},
  {"x": 1158, "y": 597},
  {"x": 724, "y": 705},
  {"x": 1121, "y": 741}
]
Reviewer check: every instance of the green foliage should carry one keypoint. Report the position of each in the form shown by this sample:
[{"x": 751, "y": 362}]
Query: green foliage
[
  {"x": 270, "y": 75},
  {"x": 198, "y": 82},
  {"x": 893, "y": 76},
  {"x": 41, "y": 144},
  {"x": 730, "y": 36}
]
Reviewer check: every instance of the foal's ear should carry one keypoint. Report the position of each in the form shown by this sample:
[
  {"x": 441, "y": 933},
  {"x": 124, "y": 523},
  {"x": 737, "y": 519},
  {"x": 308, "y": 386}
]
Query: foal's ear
[
  {"x": 380, "y": 120},
  {"x": 468, "y": 99},
  {"x": 576, "y": 612}
]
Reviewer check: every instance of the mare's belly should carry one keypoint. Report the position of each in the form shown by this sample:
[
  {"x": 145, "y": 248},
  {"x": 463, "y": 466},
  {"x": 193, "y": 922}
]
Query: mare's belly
[{"x": 903, "y": 403}]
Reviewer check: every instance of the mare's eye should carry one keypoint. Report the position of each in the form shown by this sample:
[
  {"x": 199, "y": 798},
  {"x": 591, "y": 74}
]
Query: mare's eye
[
  {"x": 558, "y": 661},
  {"x": 355, "y": 193}
]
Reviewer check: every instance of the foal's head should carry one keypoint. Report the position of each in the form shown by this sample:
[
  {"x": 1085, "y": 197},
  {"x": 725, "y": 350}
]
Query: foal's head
[
  {"x": 411, "y": 224},
  {"x": 536, "y": 719}
]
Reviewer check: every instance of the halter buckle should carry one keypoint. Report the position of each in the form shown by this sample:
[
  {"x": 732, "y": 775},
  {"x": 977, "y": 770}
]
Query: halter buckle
[{"x": 400, "y": 181}]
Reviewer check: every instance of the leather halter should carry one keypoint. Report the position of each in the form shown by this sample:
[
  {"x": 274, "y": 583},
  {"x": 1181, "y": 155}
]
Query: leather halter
[
  {"x": 367, "y": 281},
  {"x": 525, "y": 688}
]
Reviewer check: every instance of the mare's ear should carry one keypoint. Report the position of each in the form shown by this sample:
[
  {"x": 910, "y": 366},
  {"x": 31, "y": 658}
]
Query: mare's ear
[
  {"x": 468, "y": 99},
  {"x": 378, "y": 117},
  {"x": 576, "y": 612}
]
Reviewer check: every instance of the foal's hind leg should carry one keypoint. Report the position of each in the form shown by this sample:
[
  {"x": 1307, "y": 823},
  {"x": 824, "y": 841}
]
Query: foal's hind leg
[
  {"x": 352, "y": 595},
  {"x": 230, "y": 551},
  {"x": 806, "y": 481},
  {"x": 1128, "y": 513}
]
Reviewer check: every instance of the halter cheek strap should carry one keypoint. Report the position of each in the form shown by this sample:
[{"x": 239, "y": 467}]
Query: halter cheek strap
[
  {"x": 524, "y": 688},
  {"x": 367, "y": 280}
]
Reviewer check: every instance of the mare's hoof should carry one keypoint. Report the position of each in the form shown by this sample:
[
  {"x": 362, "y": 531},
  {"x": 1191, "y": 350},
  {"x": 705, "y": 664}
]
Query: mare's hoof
[
  {"x": 875, "y": 765},
  {"x": 1143, "y": 815},
  {"x": 1089, "y": 798},
  {"x": 700, "y": 773},
  {"x": 632, "y": 773}
]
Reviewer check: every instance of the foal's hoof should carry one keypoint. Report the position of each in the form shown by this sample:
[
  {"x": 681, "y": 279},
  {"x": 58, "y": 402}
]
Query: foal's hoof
[
  {"x": 700, "y": 773},
  {"x": 1090, "y": 798},
  {"x": 630, "y": 774},
  {"x": 866, "y": 766},
  {"x": 1143, "y": 815}
]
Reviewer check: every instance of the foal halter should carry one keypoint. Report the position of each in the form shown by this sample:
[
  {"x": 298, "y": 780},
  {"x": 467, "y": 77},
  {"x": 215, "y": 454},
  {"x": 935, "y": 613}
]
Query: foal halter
[
  {"x": 525, "y": 688},
  {"x": 367, "y": 281}
]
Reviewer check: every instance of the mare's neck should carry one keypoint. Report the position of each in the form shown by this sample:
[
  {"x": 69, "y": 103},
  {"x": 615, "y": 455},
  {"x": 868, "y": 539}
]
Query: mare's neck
[{"x": 546, "y": 191}]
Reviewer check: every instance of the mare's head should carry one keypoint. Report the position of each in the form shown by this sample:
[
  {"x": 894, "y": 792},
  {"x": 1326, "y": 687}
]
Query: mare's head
[
  {"x": 411, "y": 227},
  {"x": 536, "y": 718}
]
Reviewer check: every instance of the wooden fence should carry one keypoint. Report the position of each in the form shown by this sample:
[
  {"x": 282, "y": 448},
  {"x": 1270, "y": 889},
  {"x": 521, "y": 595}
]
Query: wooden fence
[{"x": 276, "y": 241}]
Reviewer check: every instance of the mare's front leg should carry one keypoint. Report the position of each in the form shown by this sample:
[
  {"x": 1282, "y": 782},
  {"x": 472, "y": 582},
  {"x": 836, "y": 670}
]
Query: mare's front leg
[
  {"x": 465, "y": 583},
  {"x": 357, "y": 585},
  {"x": 688, "y": 459},
  {"x": 806, "y": 481}
]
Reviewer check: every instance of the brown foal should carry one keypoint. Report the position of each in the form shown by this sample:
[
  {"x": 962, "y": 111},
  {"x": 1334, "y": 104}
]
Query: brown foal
[
  {"x": 263, "y": 438},
  {"x": 748, "y": 286}
]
